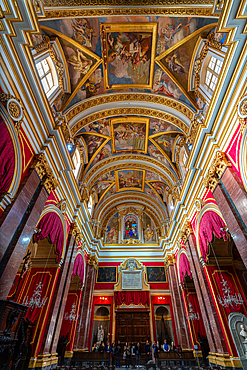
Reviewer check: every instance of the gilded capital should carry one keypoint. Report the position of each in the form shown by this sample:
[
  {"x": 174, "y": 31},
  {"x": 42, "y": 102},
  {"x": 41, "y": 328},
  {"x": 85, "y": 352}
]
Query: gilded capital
[
  {"x": 75, "y": 232},
  {"x": 169, "y": 260},
  {"x": 44, "y": 172},
  {"x": 92, "y": 260},
  {"x": 186, "y": 231},
  {"x": 216, "y": 170}
]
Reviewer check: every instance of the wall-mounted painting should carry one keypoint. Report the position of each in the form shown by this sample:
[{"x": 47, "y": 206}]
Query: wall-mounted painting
[
  {"x": 148, "y": 229},
  {"x": 128, "y": 54},
  {"x": 107, "y": 274},
  {"x": 129, "y": 134},
  {"x": 130, "y": 179},
  {"x": 156, "y": 274},
  {"x": 130, "y": 230}
]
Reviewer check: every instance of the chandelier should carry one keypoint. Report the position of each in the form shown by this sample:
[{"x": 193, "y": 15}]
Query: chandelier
[
  {"x": 192, "y": 315},
  {"x": 228, "y": 298},
  {"x": 72, "y": 316},
  {"x": 36, "y": 301}
]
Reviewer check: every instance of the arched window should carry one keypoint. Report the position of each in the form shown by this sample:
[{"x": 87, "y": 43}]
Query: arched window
[
  {"x": 90, "y": 205},
  {"x": 77, "y": 162},
  {"x": 212, "y": 72},
  {"x": 48, "y": 75}
]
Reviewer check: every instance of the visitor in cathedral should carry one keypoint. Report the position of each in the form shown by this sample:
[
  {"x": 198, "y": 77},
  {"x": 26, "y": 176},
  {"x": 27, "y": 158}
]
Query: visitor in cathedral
[
  {"x": 154, "y": 349},
  {"x": 127, "y": 354},
  {"x": 133, "y": 354},
  {"x": 138, "y": 354},
  {"x": 173, "y": 347},
  {"x": 166, "y": 346},
  {"x": 108, "y": 350},
  {"x": 179, "y": 350},
  {"x": 113, "y": 353},
  {"x": 94, "y": 348},
  {"x": 102, "y": 350},
  {"x": 148, "y": 351},
  {"x": 158, "y": 351},
  {"x": 118, "y": 354}
]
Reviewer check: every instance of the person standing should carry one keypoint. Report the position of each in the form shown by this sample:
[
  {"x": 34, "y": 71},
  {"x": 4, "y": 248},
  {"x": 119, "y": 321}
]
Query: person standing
[
  {"x": 173, "y": 347},
  {"x": 118, "y": 354},
  {"x": 166, "y": 346},
  {"x": 125, "y": 354},
  {"x": 147, "y": 351},
  {"x": 154, "y": 349},
  {"x": 138, "y": 354},
  {"x": 158, "y": 352},
  {"x": 129, "y": 355},
  {"x": 108, "y": 350},
  {"x": 133, "y": 354},
  {"x": 113, "y": 354}
]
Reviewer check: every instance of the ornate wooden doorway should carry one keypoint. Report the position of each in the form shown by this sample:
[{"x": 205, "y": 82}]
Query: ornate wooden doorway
[{"x": 133, "y": 326}]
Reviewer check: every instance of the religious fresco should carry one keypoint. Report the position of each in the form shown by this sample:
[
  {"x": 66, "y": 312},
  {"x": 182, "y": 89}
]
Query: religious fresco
[
  {"x": 148, "y": 229},
  {"x": 166, "y": 142},
  {"x": 130, "y": 179},
  {"x": 101, "y": 188},
  {"x": 159, "y": 187},
  {"x": 128, "y": 53},
  {"x": 105, "y": 152},
  {"x": 93, "y": 143},
  {"x": 153, "y": 176},
  {"x": 130, "y": 134},
  {"x": 91, "y": 87},
  {"x": 112, "y": 232},
  {"x": 107, "y": 274},
  {"x": 130, "y": 230},
  {"x": 111, "y": 190},
  {"x": 156, "y": 274},
  {"x": 149, "y": 191},
  {"x": 158, "y": 125},
  {"x": 154, "y": 152},
  {"x": 99, "y": 127},
  {"x": 109, "y": 176}
]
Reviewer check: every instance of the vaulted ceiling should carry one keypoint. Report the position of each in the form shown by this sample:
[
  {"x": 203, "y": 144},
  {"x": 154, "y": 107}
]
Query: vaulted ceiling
[{"x": 129, "y": 103}]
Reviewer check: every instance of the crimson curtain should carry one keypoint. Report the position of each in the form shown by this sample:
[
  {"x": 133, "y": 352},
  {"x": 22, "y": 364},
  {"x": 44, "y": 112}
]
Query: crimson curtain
[
  {"x": 184, "y": 267},
  {"x": 198, "y": 325},
  {"x": 211, "y": 224},
  {"x": 50, "y": 224},
  {"x": 78, "y": 268},
  {"x": 7, "y": 158},
  {"x": 135, "y": 297}
]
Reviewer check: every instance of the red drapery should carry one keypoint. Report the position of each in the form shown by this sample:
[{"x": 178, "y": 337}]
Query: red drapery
[
  {"x": 211, "y": 223},
  {"x": 50, "y": 224},
  {"x": 7, "y": 158},
  {"x": 184, "y": 267},
  {"x": 135, "y": 297},
  {"x": 194, "y": 307},
  {"x": 78, "y": 268}
]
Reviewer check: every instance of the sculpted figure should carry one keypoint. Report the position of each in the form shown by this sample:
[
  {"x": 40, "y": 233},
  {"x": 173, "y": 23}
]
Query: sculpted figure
[
  {"x": 243, "y": 332},
  {"x": 100, "y": 336}
]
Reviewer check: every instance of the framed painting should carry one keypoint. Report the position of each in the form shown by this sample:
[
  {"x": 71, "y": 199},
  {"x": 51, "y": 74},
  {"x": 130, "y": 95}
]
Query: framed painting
[
  {"x": 130, "y": 230},
  {"x": 156, "y": 274},
  {"x": 130, "y": 179},
  {"x": 128, "y": 54},
  {"x": 107, "y": 274},
  {"x": 129, "y": 134}
]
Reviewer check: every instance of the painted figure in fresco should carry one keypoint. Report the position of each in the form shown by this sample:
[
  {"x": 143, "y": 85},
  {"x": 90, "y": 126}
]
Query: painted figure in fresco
[
  {"x": 158, "y": 187},
  {"x": 129, "y": 136},
  {"x": 93, "y": 144},
  {"x": 80, "y": 62},
  {"x": 174, "y": 64},
  {"x": 83, "y": 34},
  {"x": 154, "y": 152},
  {"x": 112, "y": 235},
  {"x": 163, "y": 87},
  {"x": 169, "y": 31}
]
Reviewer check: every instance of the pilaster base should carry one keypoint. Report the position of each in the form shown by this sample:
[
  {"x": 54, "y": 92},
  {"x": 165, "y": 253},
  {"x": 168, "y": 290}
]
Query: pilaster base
[
  {"x": 67, "y": 358},
  {"x": 44, "y": 362},
  {"x": 224, "y": 360}
]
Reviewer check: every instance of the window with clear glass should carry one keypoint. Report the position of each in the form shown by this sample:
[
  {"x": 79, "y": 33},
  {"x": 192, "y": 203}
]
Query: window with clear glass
[
  {"x": 212, "y": 73},
  {"x": 77, "y": 162},
  {"x": 45, "y": 74}
]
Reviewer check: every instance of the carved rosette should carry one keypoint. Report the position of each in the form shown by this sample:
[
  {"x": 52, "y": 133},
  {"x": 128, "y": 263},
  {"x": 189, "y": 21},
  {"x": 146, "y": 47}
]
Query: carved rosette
[
  {"x": 14, "y": 109},
  {"x": 169, "y": 260},
  {"x": 44, "y": 172},
  {"x": 92, "y": 260},
  {"x": 242, "y": 113},
  {"x": 216, "y": 170}
]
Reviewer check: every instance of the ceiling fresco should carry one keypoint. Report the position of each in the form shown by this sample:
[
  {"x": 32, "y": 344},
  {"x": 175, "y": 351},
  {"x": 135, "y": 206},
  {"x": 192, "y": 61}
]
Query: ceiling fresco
[{"x": 130, "y": 157}]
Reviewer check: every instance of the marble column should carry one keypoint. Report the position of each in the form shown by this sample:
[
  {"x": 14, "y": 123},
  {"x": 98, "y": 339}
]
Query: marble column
[
  {"x": 231, "y": 198},
  {"x": 85, "y": 312},
  {"x": 181, "y": 323},
  {"x": 212, "y": 326},
  {"x": 18, "y": 221}
]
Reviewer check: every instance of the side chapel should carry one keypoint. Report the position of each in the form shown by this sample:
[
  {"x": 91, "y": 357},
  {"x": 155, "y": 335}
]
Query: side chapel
[{"x": 123, "y": 179}]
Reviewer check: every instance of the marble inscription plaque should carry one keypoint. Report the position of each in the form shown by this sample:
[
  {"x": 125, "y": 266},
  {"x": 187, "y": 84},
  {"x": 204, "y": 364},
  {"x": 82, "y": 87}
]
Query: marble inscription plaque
[{"x": 132, "y": 280}]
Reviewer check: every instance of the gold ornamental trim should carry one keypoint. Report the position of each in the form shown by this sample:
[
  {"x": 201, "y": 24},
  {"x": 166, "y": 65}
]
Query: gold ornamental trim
[
  {"x": 75, "y": 232},
  {"x": 170, "y": 260},
  {"x": 186, "y": 231},
  {"x": 76, "y": 3},
  {"x": 44, "y": 172},
  {"x": 92, "y": 260},
  {"x": 154, "y": 10},
  {"x": 216, "y": 170},
  {"x": 130, "y": 111},
  {"x": 140, "y": 164}
]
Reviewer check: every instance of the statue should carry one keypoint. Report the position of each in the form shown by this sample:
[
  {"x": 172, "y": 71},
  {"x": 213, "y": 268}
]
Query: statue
[
  {"x": 243, "y": 332},
  {"x": 100, "y": 335}
]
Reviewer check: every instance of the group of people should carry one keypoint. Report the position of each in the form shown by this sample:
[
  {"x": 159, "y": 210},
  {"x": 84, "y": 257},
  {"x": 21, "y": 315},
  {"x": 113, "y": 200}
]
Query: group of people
[{"x": 131, "y": 353}]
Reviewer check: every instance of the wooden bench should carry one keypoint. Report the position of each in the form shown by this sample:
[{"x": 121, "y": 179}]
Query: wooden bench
[{"x": 87, "y": 358}]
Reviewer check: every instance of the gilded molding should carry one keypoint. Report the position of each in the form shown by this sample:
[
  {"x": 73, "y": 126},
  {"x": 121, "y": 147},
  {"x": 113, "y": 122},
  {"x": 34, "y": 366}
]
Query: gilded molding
[
  {"x": 194, "y": 127},
  {"x": 242, "y": 113},
  {"x": 96, "y": 3},
  {"x": 14, "y": 109},
  {"x": 105, "y": 12},
  {"x": 75, "y": 232},
  {"x": 216, "y": 170},
  {"x": 138, "y": 158},
  {"x": 92, "y": 260},
  {"x": 186, "y": 231},
  {"x": 109, "y": 98},
  {"x": 44, "y": 172},
  {"x": 130, "y": 111}
]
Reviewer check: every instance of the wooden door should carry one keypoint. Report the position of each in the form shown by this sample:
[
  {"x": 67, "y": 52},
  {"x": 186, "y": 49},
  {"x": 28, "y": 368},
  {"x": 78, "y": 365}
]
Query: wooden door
[{"x": 133, "y": 326}]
